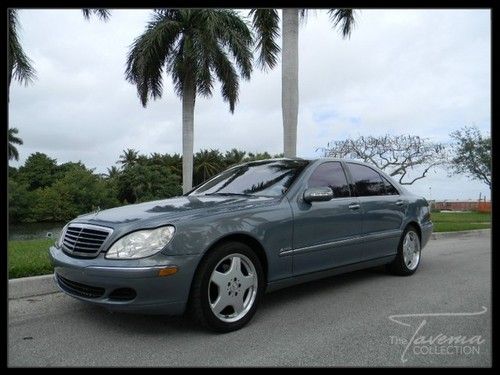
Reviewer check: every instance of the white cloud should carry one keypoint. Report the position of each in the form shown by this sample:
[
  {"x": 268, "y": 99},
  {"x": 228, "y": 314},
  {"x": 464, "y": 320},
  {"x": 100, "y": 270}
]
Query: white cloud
[{"x": 425, "y": 72}]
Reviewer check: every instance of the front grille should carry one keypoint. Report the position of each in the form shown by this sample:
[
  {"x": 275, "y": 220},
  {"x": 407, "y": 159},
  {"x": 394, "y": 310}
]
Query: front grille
[
  {"x": 78, "y": 289},
  {"x": 84, "y": 240}
]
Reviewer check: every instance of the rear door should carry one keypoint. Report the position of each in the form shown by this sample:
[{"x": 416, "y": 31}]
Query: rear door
[
  {"x": 326, "y": 234},
  {"x": 383, "y": 210}
]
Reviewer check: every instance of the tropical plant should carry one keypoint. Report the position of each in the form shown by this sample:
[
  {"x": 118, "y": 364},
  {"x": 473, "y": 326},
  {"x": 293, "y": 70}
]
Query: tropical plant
[
  {"x": 265, "y": 22},
  {"x": 207, "y": 164},
  {"x": 19, "y": 65},
  {"x": 102, "y": 14},
  {"x": 14, "y": 140},
  {"x": 128, "y": 157},
  {"x": 234, "y": 156},
  {"x": 195, "y": 47},
  {"x": 38, "y": 171},
  {"x": 112, "y": 172}
]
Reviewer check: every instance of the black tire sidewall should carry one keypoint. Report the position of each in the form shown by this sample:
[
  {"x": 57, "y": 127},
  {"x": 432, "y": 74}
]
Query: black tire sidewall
[{"x": 211, "y": 261}]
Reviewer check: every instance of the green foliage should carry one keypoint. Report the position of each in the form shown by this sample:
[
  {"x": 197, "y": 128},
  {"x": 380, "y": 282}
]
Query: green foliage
[
  {"x": 38, "y": 171},
  {"x": 19, "y": 65},
  {"x": 14, "y": 140},
  {"x": 41, "y": 190},
  {"x": 472, "y": 154},
  {"x": 141, "y": 182},
  {"x": 29, "y": 258}
]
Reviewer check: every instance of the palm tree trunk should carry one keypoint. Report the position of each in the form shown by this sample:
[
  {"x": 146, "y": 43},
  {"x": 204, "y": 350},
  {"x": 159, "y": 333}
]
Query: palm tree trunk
[
  {"x": 290, "y": 80},
  {"x": 188, "y": 99}
]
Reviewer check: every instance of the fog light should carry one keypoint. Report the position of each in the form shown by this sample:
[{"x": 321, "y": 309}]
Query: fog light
[{"x": 167, "y": 271}]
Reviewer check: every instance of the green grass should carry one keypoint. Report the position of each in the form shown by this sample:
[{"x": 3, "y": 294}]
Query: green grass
[
  {"x": 457, "y": 221},
  {"x": 29, "y": 258}
]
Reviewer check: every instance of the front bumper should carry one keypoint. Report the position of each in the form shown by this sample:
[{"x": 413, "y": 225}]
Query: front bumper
[{"x": 126, "y": 285}]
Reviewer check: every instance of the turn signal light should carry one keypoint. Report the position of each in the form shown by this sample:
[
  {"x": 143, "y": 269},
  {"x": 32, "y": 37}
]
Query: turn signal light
[{"x": 167, "y": 271}]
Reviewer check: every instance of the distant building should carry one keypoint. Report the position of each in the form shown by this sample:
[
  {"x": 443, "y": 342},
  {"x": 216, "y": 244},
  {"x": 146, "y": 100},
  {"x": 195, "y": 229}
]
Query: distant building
[{"x": 470, "y": 205}]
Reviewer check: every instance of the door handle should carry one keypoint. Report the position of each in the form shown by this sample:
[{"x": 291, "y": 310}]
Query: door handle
[
  {"x": 400, "y": 202},
  {"x": 353, "y": 206}
]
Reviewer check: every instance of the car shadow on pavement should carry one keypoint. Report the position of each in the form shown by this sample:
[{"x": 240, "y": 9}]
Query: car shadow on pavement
[
  {"x": 299, "y": 293},
  {"x": 272, "y": 302}
]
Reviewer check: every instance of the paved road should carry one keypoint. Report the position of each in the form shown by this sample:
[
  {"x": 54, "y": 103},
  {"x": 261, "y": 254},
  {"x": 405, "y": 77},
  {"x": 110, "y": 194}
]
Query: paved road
[{"x": 342, "y": 321}]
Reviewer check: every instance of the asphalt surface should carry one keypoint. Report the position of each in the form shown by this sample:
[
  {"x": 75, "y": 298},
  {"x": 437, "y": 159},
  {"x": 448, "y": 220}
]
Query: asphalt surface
[{"x": 339, "y": 321}]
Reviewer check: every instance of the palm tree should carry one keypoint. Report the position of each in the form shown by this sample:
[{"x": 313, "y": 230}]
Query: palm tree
[
  {"x": 265, "y": 22},
  {"x": 128, "y": 157},
  {"x": 103, "y": 14},
  {"x": 19, "y": 65},
  {"x": 112, "y": 172},
  {"x": 233, "y": 157},
  {"x": 13, "y": 140},
  {"x": 194, "y": 46},
  {"x": 206, "y": 164}
]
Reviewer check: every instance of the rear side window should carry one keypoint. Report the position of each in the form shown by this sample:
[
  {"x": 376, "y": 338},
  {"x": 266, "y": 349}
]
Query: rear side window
[
  {"x": 389, "y": 188},
  {"x": 331, "y": 174},
  {"x": 367, "y": 181}
]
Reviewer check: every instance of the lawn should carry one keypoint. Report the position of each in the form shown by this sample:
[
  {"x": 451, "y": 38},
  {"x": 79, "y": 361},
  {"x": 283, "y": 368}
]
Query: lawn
[
  {"x": 29, "y": 258},
  {"x": 456, "y": 221}
]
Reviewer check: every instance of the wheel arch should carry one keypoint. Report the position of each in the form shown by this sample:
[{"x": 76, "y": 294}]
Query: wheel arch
[
  {"x": 415, "y": 224},
  {"x": 245, "y": 238}
]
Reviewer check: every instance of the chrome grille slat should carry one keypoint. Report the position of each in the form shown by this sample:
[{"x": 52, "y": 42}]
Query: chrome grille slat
[
  {"x": 85, "y": 240},
  {"x": 74, "y": 240},
  {"x": 88, "y": 235}
]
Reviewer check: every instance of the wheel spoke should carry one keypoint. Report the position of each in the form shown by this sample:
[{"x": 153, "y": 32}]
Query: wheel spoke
[
  {"x": 247, "y": 282},
  {"x": 220, "y": 279},
  {"x": 237, "y": 303},
  {"x": 220, "y": 303},
  {"x": 235, "y": 269}
]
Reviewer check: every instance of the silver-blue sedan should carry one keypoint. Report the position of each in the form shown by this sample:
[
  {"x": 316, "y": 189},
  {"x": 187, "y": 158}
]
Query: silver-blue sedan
[{"x": 256, "y": 227}]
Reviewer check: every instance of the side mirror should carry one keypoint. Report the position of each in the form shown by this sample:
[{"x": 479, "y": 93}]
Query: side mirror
[{"x": 318, "y": 194}]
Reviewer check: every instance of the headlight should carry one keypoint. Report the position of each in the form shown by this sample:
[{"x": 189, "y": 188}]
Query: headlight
[
  {"x": 141, "y": 244},
  {"x": 59, "y": 241}
]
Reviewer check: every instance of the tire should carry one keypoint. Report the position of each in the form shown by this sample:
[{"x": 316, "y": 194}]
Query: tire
[
  {"x": 226, "y": 291},
  {"x": 401, "y": 266}
]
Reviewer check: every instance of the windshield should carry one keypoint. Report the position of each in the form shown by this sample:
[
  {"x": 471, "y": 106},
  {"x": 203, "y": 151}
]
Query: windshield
[{"x": 261, "y": 178}]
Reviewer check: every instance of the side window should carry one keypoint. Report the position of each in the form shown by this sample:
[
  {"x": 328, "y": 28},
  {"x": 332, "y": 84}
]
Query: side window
[
  {"x": 366, "y": 180},
  {"x": 389, "y": 188},
  {"x": 331, "y": 174}
]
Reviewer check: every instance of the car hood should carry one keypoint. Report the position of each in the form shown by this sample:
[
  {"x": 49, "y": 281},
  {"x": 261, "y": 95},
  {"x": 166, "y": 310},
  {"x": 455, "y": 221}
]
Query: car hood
[{"x": 173, "y": 209}]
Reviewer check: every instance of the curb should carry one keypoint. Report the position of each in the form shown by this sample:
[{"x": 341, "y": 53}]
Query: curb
[
  {"x": 32, "y": 286},
  {"x": 40, "y": 285},
  {"x": 459, "y": 234}
]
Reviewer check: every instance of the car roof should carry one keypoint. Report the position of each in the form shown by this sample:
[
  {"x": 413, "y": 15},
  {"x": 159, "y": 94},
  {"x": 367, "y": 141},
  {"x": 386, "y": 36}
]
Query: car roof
[{"x": 327, "y": 159}]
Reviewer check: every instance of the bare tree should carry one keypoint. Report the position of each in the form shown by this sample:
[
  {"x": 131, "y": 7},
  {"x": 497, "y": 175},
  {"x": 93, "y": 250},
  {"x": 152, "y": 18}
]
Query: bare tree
[{"x": 397, "y": 155}]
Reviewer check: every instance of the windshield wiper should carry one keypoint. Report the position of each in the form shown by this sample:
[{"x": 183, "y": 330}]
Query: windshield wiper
[{"x": 230, "y": 194}]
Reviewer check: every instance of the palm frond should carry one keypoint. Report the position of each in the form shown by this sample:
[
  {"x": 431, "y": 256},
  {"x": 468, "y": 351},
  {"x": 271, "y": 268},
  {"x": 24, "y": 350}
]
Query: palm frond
[
  {"x": 235, "y": 35},
  {"x": 266, "y": 25},
  {"x": 101, "y": 13},
  {"x": 18, "y": 63},
  {"x": 148, "y": 53},
  {"x": 227, "y": 76},
  {"x": 345, "y": 18},
  {"x": 12, "y": 150}
]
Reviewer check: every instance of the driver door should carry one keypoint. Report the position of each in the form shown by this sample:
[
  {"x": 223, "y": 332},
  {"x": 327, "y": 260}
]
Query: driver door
[{"x": 327, "y": 234}]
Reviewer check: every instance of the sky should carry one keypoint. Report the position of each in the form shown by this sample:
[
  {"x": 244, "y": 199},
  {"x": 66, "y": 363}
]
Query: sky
[{"x": 419, "y": 72}]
